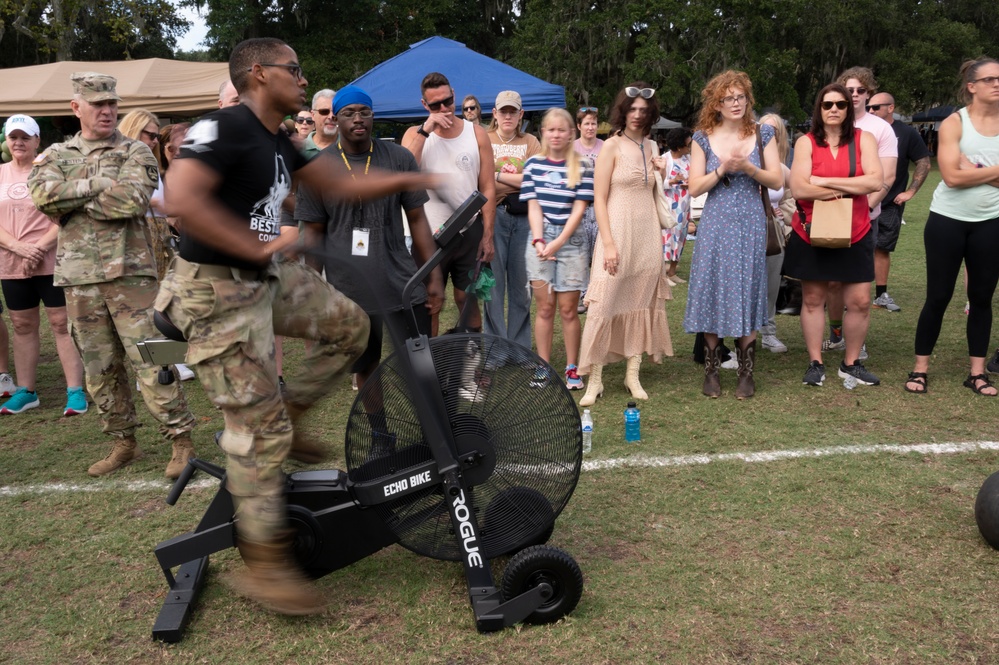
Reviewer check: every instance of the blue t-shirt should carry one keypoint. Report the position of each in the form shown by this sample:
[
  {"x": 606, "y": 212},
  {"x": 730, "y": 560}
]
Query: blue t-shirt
[{"x": 547, "y": 181}]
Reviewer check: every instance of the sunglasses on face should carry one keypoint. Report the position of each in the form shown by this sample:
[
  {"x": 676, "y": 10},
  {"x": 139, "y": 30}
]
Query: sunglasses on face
[
  {"x": 633, "y": 92},
  {"x": 152, "y": 136},
  {"x": 859, "y": 91},
  {"x": 323, "y": 112},
  {"x": 305, "y": 120},
  {"x": 436, "y": 106},
  {"x": 875, "y": 107},
  {"x": 466, "y": 109},
  {"x": 841, "y": 105}
]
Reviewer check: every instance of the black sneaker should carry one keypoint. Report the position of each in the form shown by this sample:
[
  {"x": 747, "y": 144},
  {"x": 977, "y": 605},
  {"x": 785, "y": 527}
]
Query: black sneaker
[
  {"x": 859, "y": 372},
  {"x": 993, "y": 364},
  {"x": 815, "y": 374}
]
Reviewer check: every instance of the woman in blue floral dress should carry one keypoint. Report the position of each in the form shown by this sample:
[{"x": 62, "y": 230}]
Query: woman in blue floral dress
[{"x": 728, "y": 277}]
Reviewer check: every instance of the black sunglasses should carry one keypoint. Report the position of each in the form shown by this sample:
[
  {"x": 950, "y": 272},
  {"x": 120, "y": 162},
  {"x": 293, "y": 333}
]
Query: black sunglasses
[
  {"x": 466, "y": 109},
  {"x": 841, "y": 105},
  {"x": 305, "y": 120},
  {"x": 875, "y": 107},
  {"x": 859, "y": 91},
  {"x": 152, "y": 136},
  {"x": 322, "y": 111},
  {"x": 436, "y": 106}
]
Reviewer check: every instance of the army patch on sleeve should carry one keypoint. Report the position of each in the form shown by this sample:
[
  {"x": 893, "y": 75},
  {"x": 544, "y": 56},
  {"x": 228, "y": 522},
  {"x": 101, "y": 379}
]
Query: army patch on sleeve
[
  {"x": 41, "y": 159},
  {"x": 152, "y": 173}
]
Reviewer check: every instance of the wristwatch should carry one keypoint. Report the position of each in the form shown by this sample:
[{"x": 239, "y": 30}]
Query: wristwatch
[{"x": 422, "y": 132}]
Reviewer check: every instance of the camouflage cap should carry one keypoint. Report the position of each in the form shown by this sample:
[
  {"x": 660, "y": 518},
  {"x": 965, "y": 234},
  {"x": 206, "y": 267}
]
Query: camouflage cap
[{"x": 94, "y": 87}]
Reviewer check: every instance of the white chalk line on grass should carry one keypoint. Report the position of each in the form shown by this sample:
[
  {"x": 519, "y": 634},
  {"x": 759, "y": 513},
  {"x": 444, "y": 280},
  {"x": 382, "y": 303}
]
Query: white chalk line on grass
[{"x": 594, "y": 465}]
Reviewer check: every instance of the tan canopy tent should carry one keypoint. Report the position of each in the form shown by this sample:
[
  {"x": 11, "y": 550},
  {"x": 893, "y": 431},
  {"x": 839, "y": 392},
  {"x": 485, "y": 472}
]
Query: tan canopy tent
[{"x": 161, "y": 86}]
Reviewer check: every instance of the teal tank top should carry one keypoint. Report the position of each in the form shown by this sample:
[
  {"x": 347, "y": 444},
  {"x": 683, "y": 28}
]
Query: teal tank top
[{"x": 970, "y": 204}]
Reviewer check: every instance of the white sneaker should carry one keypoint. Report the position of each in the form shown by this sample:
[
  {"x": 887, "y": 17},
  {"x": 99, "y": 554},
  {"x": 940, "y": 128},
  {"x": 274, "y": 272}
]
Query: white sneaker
[
  {"x": 184, "y": 372},
  {"x": 773, "y": 344},
  {"x": 7, "y": 385},
  {"x": 732, "y": 362},
  {"x": 885, "y": 301}
]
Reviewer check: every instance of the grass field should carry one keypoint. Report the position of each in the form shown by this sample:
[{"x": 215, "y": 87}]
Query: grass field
[{"x": 864, "y": 552}]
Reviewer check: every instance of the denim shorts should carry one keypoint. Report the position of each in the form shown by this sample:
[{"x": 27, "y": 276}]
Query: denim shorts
[{"x": 570, "y": 271}]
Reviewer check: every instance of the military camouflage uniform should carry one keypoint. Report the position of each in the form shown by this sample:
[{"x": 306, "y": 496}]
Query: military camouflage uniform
[
  {"x": 230, "y": 317},
  {"x": 99, "y": 190}
]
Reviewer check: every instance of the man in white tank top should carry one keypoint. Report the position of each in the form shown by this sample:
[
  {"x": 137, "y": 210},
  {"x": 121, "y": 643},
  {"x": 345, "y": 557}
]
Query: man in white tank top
[{"x": 460, "y": 150}]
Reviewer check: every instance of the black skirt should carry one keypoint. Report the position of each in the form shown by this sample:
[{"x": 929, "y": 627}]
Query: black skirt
[{"x": 820, "y": 264}]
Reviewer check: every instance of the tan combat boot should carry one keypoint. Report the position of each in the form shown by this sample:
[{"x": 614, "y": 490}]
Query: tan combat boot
[
  {"x": 123, "y": 452},
  {"x": 273, "y": 579},
  {"x": 183, "y": 450},
  {"x": 303, "y": 447}
]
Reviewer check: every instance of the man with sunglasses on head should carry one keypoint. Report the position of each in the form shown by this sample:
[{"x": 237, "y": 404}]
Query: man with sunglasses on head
[
  {"x": 860, "y": 83},
  {"x": 460, "y": 150},
  {"x": 229, "y": 298},
  {"x": 911, "y": 148}
]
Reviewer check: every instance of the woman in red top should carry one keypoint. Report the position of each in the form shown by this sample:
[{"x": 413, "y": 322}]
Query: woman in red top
[{"x": 821, "y": 171}]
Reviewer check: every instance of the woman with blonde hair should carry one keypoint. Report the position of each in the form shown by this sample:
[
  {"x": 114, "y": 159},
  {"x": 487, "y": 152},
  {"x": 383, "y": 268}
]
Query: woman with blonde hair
[
  {"x": 626, "y": 297},
  {"x": 558, "y": 190},
  {"x": 142, "y": 125},
  {"x": 728, "y": 288}
]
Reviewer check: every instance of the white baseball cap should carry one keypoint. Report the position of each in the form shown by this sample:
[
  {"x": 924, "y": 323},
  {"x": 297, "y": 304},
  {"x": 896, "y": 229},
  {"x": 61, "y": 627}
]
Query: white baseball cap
[{"x": 23, "y": 122}]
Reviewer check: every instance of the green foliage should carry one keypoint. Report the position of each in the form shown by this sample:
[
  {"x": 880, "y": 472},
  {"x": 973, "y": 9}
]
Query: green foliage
[{"x": 35, "y": 31}]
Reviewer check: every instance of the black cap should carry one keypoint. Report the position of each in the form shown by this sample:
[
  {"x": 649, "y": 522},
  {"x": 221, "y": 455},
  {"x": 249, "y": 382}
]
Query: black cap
[{"x": 632, "y": 405}]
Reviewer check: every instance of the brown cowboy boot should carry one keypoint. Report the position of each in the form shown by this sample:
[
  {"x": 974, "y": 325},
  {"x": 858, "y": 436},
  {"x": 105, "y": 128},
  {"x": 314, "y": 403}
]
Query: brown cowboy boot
[
  {"x": 303, "y": 447},
  {"x": 712, "y": 363},
  {"x": 273, "y": 578},
  {"x": 747, "y": 360},
  {"x": 123, "y": 452}
]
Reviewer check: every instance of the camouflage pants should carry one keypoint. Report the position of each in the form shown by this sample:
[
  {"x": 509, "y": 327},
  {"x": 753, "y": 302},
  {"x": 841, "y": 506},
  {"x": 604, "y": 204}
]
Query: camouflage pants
[
  {"x": 106, "y": 321},
  {"x": 230, "y": 326}
]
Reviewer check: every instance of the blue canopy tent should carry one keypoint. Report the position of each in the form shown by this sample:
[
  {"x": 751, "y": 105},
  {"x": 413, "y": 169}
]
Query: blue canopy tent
[{"x": 394, "y": 85}]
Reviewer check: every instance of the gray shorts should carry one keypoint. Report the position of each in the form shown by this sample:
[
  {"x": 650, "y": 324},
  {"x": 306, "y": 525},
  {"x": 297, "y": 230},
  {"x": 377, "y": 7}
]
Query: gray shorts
[
  {"x": 889, "y": 224},
  {"x": 570, "y": 271}
]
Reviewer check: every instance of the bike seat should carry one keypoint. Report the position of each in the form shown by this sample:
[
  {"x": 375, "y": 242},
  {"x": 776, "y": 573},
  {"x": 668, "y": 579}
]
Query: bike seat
[{"x": 166, "y": 326}]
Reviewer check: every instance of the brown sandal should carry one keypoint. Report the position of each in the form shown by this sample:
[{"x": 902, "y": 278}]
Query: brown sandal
[
  {"x": 973, "y": 382},
  {"x": 919, "y": 378}
]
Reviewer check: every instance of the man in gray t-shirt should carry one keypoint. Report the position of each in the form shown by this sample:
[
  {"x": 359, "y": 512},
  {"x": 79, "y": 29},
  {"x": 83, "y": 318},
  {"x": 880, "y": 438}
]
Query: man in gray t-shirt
[{"x": 368, "y": 260}]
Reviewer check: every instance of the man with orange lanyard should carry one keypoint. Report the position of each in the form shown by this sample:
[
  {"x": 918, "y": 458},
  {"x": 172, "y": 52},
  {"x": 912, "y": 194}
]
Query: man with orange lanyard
[{"x": 365, "y": 242}]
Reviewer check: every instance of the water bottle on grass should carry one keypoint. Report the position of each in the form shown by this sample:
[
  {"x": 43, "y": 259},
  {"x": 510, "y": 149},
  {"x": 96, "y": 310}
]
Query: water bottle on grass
[
  {"x": 632, "y": 423},
  {"x": 587, "y": 422}
]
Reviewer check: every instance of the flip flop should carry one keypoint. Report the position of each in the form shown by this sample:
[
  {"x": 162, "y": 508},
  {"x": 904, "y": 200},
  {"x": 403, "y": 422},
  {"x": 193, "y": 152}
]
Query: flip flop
[
  {"x": 920, "y": 379},
  {"x": 972, "y": 382}
]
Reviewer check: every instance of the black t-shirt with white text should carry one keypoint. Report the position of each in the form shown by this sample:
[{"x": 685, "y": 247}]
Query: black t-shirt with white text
[{"x": 256, "y": 168}]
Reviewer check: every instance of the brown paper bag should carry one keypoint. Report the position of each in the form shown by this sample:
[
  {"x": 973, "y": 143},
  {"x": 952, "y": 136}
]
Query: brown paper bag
[{"x": 832, "y": 223}]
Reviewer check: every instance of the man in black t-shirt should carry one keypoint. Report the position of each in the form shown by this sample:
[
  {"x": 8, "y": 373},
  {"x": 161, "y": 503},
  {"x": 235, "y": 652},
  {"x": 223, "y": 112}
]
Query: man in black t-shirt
[
  {"x": 224, "y": 292},
  {"x": 365, "y": 242},
  {"x": 911, "y": 148}
]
